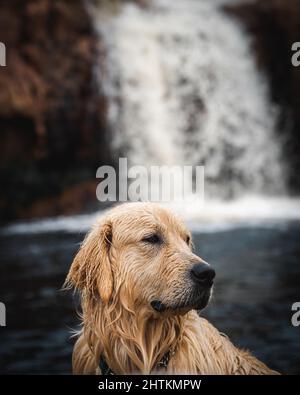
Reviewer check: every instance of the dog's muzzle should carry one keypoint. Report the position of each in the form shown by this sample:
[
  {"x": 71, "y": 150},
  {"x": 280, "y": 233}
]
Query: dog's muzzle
[{"x": 201, "y": 277}]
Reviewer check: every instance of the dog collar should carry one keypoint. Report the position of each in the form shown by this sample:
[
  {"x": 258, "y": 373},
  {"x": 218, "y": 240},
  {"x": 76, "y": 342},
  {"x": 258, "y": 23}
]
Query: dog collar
[{"x": 107, "y": 371}]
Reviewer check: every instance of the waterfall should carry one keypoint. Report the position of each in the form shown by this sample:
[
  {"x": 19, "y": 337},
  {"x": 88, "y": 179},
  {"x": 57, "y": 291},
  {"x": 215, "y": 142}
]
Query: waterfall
[{"x": 183, "y": 89}]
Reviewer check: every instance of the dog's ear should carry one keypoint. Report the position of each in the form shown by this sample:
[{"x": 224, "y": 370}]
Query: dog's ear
[{"x": 91, "y": 269}]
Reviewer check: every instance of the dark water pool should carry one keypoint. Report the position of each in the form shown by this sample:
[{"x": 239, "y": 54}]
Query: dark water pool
[{"x": 258, "y": 279}]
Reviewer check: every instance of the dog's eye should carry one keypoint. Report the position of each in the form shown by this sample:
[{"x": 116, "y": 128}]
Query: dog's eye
[
  {"x": 188, "y": 239},
  {"x": 152, "y": 239}
]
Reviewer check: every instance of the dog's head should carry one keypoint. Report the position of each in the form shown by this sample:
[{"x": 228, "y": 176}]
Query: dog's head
[{"x": 141, "y": 252}]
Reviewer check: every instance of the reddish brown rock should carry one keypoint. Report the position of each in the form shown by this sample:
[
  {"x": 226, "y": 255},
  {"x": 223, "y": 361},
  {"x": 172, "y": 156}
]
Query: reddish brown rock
[{"x": 52, "y": 113}]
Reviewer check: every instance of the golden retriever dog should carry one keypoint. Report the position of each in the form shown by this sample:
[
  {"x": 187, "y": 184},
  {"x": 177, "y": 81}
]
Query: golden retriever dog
[{"x": 141, "y": 287}]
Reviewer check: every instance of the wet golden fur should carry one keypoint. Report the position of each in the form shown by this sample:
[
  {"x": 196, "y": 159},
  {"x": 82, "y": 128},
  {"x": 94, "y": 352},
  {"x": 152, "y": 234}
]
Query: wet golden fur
[{"x": 118, "y": 275}]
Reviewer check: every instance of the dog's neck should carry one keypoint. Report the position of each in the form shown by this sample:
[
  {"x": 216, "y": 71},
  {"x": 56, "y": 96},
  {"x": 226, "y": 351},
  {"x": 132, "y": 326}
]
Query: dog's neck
[
  {"x": 134, "y": 341},
  {"x": 131, "y": 339}
]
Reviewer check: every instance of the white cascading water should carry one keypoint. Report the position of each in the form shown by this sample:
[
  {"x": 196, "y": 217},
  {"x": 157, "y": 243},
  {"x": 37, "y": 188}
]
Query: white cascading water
[{"x": 183, "y": 89}]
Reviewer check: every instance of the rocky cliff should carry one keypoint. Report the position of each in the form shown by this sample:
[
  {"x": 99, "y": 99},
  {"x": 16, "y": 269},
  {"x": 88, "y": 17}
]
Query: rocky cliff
[{"x": 52, "y": 115}]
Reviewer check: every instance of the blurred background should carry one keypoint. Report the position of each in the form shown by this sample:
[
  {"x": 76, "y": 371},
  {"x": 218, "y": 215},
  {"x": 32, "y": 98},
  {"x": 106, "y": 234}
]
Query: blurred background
[{"x": 161, "y": 82}]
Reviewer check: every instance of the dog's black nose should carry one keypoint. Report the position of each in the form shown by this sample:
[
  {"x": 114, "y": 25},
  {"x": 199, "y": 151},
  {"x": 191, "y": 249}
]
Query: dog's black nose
[{"x": 203, "y": 274}]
